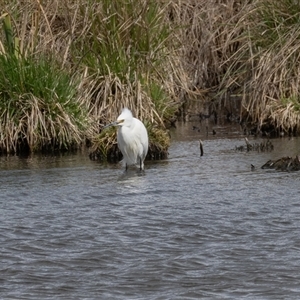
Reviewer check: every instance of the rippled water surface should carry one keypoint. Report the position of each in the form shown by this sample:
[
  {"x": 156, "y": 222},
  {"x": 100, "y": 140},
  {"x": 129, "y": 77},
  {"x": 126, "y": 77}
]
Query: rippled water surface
[{"x": 189, "y": 227}]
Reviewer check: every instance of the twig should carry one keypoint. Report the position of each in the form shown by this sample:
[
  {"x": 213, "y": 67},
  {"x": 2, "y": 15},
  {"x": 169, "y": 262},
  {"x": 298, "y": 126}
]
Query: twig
[{"x": 201, "y": 148}]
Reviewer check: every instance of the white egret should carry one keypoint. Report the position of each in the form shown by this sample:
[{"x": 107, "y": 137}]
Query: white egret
[{"x": 132, "y": 138}]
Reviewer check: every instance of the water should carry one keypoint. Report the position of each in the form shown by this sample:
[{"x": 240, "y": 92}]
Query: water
[{"x": 190, "y": 227}]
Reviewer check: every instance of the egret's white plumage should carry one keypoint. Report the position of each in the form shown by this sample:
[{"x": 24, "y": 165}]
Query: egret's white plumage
[{"x": 132, "y": 138}]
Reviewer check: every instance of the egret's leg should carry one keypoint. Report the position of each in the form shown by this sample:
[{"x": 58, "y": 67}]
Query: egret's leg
[
  {"x": 126, "y": 167},
  {"x": 141, "y": 164}
]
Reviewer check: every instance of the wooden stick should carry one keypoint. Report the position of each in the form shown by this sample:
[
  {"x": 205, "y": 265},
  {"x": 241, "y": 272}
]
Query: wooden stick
[{"x": 201, "y": 148}]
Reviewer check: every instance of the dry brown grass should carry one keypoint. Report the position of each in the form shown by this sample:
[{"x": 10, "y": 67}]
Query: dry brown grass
[
  {"x": 101, "y": 44},
  {"x": 204, "y": 51},
  {"x": 209, "y": 36},
  {"x": 206, "y": 34},
  {"x": 247, "y": 50},
  {"x": 275, "y": 92},
  {"x": 271, "y": 91}
]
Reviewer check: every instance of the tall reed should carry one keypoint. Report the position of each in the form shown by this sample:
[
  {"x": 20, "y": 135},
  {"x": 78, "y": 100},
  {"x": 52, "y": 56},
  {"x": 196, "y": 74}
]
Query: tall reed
[
  {"x": 39, "y": 107},
  {"x": 273, "y": 91},
  {"x": 152, "y": 56},
  {"x": 264, "y": 70},
  {"x": 123, "y": 46}
]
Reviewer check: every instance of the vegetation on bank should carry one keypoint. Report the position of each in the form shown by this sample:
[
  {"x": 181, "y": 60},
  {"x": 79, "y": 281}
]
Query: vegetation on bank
[
  {"x": 265, "y": 71},
  {"x": 75, "y": 64},
  {"x": 39, "y": 106},
  {"x": 68, "y": 67}
]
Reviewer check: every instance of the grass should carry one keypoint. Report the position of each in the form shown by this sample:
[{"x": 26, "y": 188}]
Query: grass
[
  {"x": 39, "y": 106},
  {"x": 121, "y": 44},
  {"x": 105, "y": 147},
  {"x": 111, "y": 52},
  {"x": 274, "y": 86},
  {"x": 264, "y": 71},
  {"x": 68, "y": 67}
]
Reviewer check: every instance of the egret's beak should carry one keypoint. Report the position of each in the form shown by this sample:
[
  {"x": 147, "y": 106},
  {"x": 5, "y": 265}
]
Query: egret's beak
[
  {"x": 110, "y": 124},
  {"x": 116, "y": 123}
]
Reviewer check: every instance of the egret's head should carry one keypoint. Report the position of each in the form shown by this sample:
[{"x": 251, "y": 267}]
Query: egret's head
[{"x": 125, "y": 118}]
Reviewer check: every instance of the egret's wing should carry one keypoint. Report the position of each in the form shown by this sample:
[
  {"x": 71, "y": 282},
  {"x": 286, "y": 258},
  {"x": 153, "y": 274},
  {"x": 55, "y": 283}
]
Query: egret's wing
[
  {"x": 143, "y": 140},
  {"x": 127, "y": 144}
]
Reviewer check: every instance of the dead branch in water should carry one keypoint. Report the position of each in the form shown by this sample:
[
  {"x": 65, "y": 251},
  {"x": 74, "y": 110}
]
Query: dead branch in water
[
  {"x": 283, "y": 164},
  {"x": 201, "y": 148}
]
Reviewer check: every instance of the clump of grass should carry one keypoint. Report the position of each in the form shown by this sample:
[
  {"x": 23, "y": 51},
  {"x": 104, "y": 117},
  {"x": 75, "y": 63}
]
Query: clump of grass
[
  {"x": 121, "y": 37},
  {"x": 159, "y": 142},
  {"x": 210, "y": 35},
  {"x": 38, "y": 102},
  {"x": 275, "y": 84},
  {"x": 124, "y": 46},
  {"x": 104, "y": 146},
  {"x": 264, "y": 71},
  {"x": 277, "y": 73},
  {"x": 39, "y": 106}
]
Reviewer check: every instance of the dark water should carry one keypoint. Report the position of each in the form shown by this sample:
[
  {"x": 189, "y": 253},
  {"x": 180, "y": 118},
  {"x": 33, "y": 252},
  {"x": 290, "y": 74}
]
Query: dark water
[{"x": 190, "y": 227}]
